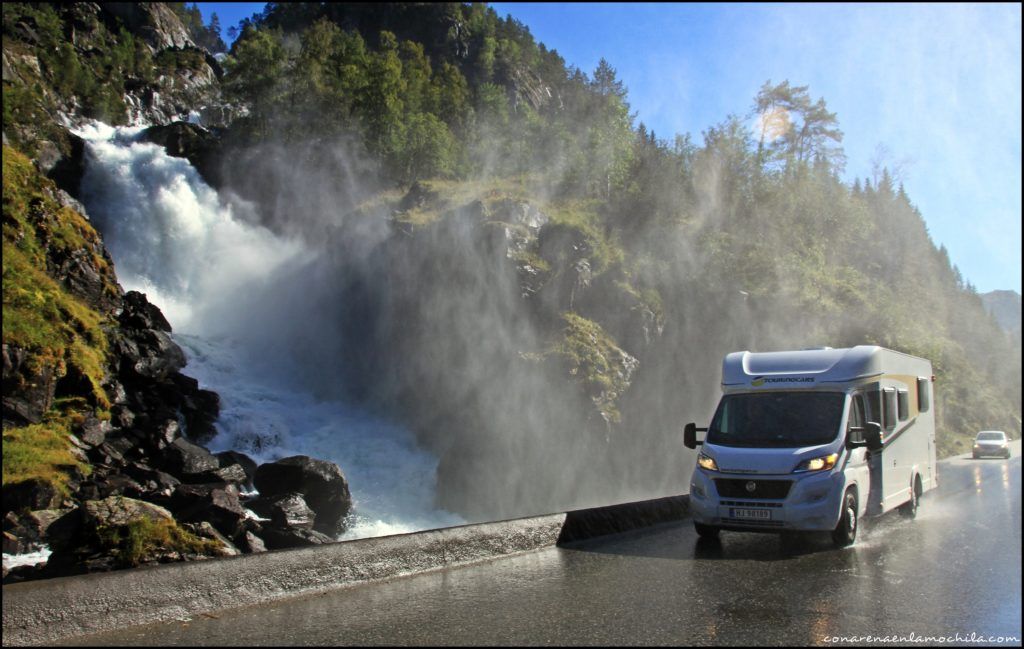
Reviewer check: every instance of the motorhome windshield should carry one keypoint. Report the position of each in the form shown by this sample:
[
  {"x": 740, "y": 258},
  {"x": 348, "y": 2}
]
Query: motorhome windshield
[{"x": 777, "y": 419}]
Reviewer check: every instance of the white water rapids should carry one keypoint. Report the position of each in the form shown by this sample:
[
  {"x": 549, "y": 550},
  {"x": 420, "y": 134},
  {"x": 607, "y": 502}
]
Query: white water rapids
[{"x": 241, "y": 301}]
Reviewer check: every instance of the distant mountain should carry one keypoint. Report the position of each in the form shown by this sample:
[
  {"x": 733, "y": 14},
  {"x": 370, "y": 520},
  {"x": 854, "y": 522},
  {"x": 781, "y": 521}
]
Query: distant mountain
[{"x": 1005, "y": 306}]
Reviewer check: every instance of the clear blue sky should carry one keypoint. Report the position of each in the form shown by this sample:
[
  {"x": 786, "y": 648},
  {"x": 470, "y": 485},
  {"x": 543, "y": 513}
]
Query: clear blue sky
[{"x": 938, "y": 86}]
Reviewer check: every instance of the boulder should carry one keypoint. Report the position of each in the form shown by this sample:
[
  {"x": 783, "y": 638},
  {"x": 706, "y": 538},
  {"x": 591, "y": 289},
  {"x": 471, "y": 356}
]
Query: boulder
[
  {"x": 12, "y": 544},
  {"x": 118, "y": 510},
  {"x": 228, "y": 458},
  {"x": 64, "y": 162},
  {"x": 289, "y": 510},
  {"x": 139, "y": 313},
  {"x": 28, "y": 388},
  {"x": 201, "y": 409},
  {"x": 157, "y": 483},
  {"x": 33, "y": 493},
  {"x": 148, "y": 354},
  {"x": 250, "y": 543},
  {"x": 189, "y": 460},
  {"x": 207, "y": 531},
  {"x": 275, "y": 538},
  {"x": 217, "y": 504},
  {"x": 321, "y": 484},
  {"x": 192, "y": 142},
  {"x": 93, "y": 431}
]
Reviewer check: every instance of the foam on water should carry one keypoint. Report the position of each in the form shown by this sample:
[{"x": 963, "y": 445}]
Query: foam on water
[
  {"x": 27, "y": 559},
  {"x": 240, "y": 299}
]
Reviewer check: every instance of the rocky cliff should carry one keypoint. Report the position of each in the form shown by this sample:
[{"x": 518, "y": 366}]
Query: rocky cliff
[{"x": 103, "y": 460}]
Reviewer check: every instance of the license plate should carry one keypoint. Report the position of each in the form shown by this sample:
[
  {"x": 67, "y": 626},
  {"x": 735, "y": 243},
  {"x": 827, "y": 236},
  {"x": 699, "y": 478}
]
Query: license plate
[{"x": 759, "y": 514}]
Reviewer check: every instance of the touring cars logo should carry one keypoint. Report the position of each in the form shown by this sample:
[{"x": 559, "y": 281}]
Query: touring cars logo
[{"x": 759, "y": 381}]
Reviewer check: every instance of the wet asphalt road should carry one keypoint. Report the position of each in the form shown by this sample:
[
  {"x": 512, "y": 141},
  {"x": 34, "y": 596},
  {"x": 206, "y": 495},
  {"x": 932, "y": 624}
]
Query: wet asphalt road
[{"x": 956, "y": 569}]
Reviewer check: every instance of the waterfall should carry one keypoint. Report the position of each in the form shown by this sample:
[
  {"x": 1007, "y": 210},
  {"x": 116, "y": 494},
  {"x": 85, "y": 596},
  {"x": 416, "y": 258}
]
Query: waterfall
[{"x": 248, "y": 308}]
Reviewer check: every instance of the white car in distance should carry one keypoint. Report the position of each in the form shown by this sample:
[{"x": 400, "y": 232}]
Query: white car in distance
[{"x": 991, "y": 442}]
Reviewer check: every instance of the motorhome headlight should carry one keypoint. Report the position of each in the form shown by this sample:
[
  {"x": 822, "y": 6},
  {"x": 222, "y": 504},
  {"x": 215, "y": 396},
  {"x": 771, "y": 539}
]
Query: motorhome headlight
[
  {"x": 707, "y": 462},
  {"x": 822, "y": 463}
]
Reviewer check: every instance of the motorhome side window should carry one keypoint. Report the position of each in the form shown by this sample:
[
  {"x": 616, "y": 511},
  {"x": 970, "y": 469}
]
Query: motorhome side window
[
  {"x": 889, "y": 408},
  {"x": 874, "y": 406},
  {"x": 856, "y": 419},
  {"x": 923, "y": 396},
  {"x": 903, "y": 404}
]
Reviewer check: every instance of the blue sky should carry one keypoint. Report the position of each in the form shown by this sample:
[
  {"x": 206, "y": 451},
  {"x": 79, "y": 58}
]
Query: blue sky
[{"x": 936, "y": 89}]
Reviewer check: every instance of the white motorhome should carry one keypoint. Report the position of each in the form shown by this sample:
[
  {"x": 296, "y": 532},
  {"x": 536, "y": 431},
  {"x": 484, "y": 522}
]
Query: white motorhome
[{"x": 814, "y": 440}]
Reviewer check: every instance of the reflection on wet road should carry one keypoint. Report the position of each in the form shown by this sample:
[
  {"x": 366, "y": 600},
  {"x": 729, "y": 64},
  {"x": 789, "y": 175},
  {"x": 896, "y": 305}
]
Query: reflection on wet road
[{"x": 956, "y": 569}]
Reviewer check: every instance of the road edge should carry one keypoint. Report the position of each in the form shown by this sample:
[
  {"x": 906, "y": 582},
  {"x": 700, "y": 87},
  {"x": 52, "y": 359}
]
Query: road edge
[{"x": 48, "y": 611}]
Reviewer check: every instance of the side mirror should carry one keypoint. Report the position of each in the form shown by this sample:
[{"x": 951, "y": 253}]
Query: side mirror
[
  {"x": 873, "y": 435},
  {"x": 690, "y": 435}
]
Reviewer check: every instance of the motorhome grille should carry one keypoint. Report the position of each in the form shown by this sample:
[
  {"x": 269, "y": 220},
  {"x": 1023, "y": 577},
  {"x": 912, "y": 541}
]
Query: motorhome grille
[
  {"x": 746, "y": 503},
  {"x": 763, "y": 489}
]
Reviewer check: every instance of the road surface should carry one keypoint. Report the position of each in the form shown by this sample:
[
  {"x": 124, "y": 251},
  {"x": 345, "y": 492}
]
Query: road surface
[{"x": 953, "y": 576}]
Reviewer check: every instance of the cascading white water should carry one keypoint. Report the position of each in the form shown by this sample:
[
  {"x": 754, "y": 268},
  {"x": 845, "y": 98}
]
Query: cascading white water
[{"x": 241, "y": 301}]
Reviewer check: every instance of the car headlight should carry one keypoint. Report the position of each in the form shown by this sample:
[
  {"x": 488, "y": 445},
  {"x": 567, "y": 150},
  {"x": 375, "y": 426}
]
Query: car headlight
[
  {"x": 707, "y": 462},
  {"x": 822, "y": 463}
]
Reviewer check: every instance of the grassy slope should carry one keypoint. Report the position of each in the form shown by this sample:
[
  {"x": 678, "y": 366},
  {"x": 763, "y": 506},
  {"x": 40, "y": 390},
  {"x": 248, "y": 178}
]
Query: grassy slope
[{"x": 56, "y": 329}]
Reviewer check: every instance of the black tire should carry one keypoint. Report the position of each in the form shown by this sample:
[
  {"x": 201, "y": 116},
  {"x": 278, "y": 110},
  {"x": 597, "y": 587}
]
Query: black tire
[
  {"x": 974, "y": 455},
  {"x": 846, "y": 531},
  {"x": 706, "y": 531},
  {"x": 909, "y": 508}
]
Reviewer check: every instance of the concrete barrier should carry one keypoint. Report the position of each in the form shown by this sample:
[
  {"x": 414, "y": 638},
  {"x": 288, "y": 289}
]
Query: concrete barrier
[{"x": 46, "y": 611}]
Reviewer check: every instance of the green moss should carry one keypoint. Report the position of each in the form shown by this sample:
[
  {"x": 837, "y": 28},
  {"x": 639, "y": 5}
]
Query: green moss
[
  {"x": 584, "y": 216},
  {"x": 170, "y": 60},
  {"x": 41, "y": 451},
  {"x": 145, "y": 537},
  {"x": 55, "y": 327},
  {"x": 57, "y": 330},
  {"x": 593, "y": 359}
]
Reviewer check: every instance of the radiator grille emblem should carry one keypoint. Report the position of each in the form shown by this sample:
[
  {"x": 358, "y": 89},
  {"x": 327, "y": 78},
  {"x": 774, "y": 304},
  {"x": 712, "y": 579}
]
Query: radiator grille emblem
[{"x": 751, "y": 486}]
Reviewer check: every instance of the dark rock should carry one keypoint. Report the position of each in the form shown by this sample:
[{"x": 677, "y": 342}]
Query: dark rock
[
  {"x": 122, "y": 416},
  {"x": 24, "y": 573},
  {"x": 157, "y": 482},
  {"x": 233, "y": 473},
  {"x": 139, "y": 313},
  {"x": 192, "y": 142},
  {"x": 227, "y": 458},
  {"x": 154, "y": 22},
  {"x": 165, "y": 433},
  {"x": 93, "y": 431},
  {"x": 288, "y": 510},
  {"x": 28, "y": 388},
  {"x": 250, "y": 543},
  {"x": 208, "y": 531},
  {"x": 187, "y": 459},
  {"x": 113, "y": 451},
  {"x": 321, "y": 483},
  {"x": 217, "y": 504},
  {"x": 57, "y": 526},
  {"x": 30, "y": 494},
  {"x": 12, "y": 544},
  {"x": 118, "y": 484},
  {"x": 294, "y": 537},
  {"x": 66, "y": 167},
  {"x": 201, "y": 410},
  {"x": 116, "y": 511},
  {"x": 148, "y": 354},
  {"x": 74, "y": 383}
]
